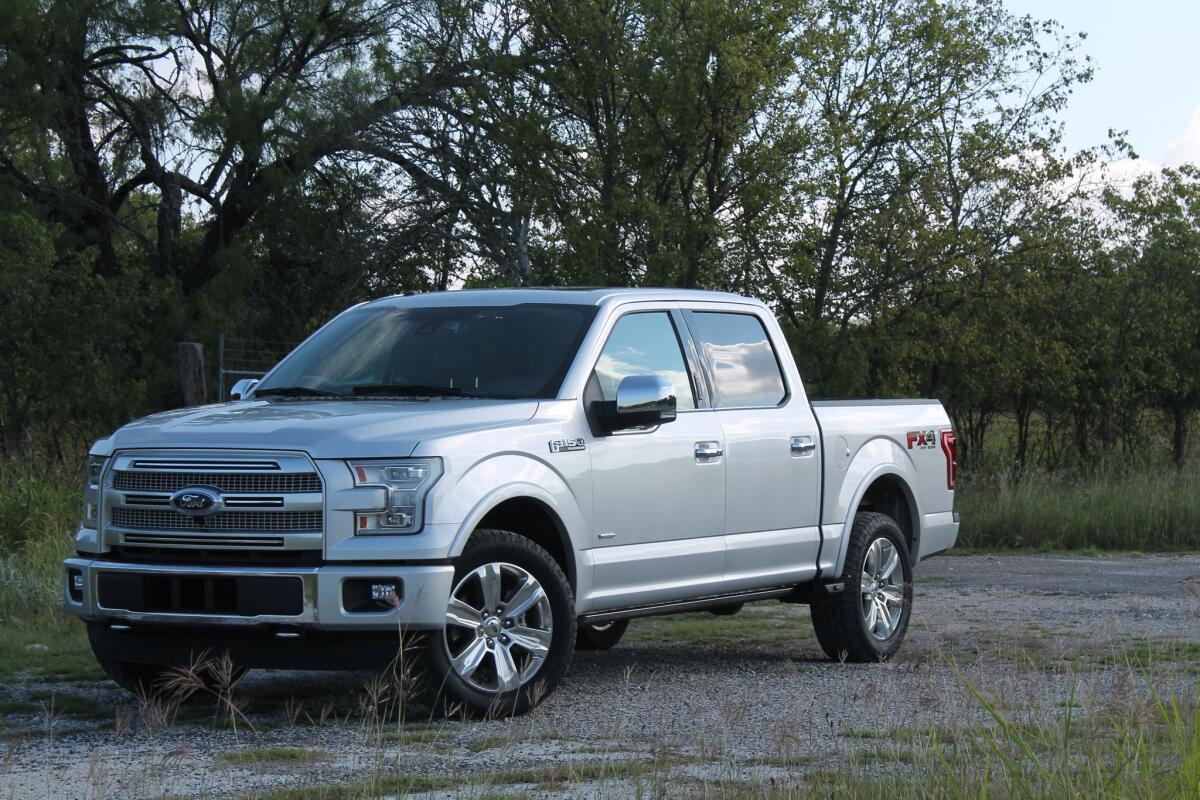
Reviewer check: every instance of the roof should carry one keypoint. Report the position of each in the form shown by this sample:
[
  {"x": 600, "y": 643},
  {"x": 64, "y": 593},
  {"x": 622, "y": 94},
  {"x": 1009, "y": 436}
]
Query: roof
[{"x": 571, "y": 295}]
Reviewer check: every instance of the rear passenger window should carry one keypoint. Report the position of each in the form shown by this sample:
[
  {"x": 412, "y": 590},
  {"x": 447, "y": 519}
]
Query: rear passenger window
[
  {"x": 644, "y": 344},
  {"x": 743, "y": 362}
]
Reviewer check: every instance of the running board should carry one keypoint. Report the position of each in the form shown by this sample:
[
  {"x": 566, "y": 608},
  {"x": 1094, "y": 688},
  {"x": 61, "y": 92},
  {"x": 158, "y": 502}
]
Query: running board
[{"x": 681, "y": 606}]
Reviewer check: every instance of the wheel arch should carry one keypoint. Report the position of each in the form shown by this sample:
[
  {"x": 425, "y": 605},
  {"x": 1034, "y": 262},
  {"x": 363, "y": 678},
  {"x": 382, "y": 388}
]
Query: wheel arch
[
  {"x": 531, "y": 511},
  {"x": 884, "y": 485},
  {"x": 536, "y": 520}
]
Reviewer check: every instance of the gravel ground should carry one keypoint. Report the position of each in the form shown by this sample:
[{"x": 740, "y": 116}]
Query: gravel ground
[{"x": 737, "y": 698}]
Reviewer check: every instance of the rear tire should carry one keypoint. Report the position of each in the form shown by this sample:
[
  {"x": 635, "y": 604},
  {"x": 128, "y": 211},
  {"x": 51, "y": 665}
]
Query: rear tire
[
  {"x": 868, "y": 619},
  {"x": 600, "y": 637},
  {"x": 510, "y": 633}
]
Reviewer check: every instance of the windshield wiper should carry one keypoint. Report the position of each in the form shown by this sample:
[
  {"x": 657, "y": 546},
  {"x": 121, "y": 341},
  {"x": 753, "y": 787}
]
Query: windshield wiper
[
  {"x": 406, "y": 390},
  {"x": 291, "y": 391}
]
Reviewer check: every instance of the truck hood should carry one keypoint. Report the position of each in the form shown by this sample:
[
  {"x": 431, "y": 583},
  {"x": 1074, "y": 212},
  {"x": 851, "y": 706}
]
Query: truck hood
[{"x": 323, "y": 429}]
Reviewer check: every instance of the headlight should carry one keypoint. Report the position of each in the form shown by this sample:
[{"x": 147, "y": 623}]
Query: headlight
[
  {"x": 407, "y": 483},
  {"x": 91, "y": 491}
]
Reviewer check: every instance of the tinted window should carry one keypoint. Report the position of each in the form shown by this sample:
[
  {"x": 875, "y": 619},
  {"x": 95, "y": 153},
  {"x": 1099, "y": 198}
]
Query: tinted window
[
  {"x": 519, "y": 351},
  {"x": 743, "y": 362},
  {"x": 644, "y": 344}
]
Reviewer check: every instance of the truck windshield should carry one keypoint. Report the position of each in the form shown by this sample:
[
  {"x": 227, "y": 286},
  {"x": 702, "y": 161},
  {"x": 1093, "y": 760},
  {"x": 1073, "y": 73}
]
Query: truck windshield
[{"x": 517, "y": 351}]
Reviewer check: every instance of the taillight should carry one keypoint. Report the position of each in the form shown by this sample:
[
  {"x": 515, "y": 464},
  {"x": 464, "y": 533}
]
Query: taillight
[{"x": 950, "y": 448}]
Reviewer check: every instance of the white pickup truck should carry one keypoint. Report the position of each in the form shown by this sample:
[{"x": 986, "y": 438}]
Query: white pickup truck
[{"x": 503, "y": 476}]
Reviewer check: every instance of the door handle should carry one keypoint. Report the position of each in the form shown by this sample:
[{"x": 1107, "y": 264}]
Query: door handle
[
  {"x": 708, "y": 451},
  {"x": 803, "y": 445}
]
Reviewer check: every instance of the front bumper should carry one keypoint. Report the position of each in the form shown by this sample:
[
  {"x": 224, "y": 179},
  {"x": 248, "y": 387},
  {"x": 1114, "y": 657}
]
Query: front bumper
[{"x": 422, "y": 593}]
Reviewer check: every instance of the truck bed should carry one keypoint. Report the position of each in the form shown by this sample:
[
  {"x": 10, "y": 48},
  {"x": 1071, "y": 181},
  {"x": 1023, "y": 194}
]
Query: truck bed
[{"x": 863, "y": 439}]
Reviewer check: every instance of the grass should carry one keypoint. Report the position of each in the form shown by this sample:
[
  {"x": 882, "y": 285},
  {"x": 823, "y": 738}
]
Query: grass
[
  {"x": 766, "y": 623},
  {"x": 553, "y": 778},
  {"x": 1127, "y": 756},
  {"x": 70, "y": 704},
  {"x": 1147, "y": 654},
  {"x": 52, "y": 650},
  {"x": 1149, "y": 747},
  {"x": 272, "y": 755},
  {"x": 39, "y": 513},
  {"x": 1146, "y": 510},
  {"x": 417, "y": 735}
]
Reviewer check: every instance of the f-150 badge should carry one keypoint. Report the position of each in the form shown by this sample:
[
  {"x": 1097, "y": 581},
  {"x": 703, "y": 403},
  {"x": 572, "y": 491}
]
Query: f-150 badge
[{"x": 567, "y": 445}]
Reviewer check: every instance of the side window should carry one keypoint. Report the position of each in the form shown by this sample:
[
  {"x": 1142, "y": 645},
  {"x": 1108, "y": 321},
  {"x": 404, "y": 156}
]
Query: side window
[
  {"x": 644, "y": 344},
  {"x": 744, "y": 366}
]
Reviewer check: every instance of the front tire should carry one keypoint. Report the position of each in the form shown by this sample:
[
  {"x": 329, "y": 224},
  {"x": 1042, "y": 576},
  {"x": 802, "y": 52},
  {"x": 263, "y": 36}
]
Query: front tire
[
  {"x": 868, "y": 619},
  {"x": 510, "y": 628}
]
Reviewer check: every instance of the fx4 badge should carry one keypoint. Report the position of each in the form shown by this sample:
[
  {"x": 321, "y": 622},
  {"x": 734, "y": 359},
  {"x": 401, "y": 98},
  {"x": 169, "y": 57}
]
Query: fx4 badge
[
  {"x": 567, "y": 445},
  {"x": 925, "y": 440}
]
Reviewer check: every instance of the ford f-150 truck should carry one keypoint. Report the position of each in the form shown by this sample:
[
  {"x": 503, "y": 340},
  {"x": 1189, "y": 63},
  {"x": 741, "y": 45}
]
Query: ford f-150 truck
[{"x": 502, "y": 476}]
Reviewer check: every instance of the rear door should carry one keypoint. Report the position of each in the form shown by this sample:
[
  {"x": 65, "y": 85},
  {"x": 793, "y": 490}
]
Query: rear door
[
  {"x": 658, "y": 494},
  {"x": 772, "y": 469}
]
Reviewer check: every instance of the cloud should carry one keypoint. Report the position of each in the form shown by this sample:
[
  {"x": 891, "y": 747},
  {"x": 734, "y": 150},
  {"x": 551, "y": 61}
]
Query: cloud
[{"x": 1187, "y": 147}]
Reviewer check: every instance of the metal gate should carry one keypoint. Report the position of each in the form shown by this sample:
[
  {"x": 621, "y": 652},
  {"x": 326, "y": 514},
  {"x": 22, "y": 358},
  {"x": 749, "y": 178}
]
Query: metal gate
[{"x": 246, "y": 358}]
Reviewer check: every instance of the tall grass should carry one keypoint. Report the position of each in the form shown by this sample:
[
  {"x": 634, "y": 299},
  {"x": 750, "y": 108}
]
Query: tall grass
[
  {"x": 1137, "y": 752},
  {"x": 39, "y": 513},
  {"x": 1146, "y": 508}
]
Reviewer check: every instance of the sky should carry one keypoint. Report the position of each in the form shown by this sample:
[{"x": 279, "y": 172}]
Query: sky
[{"x": 1146, "y": 55}]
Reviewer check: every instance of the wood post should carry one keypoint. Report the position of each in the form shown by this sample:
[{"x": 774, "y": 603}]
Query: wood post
[{"x": 191, "y": 373}]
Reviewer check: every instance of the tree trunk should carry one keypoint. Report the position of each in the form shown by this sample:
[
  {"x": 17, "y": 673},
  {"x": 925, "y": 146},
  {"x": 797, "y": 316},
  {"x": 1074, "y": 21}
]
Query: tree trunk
[
  {"x": 1179, "y": 436},
  {"x": 191, "y": 373}
]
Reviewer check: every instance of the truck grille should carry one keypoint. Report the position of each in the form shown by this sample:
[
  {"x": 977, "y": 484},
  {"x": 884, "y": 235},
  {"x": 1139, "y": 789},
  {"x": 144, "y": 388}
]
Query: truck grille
[
  {"x": 227, "y": 482},
  {"x": 245, "y": 521},
  {"x": 273, "y": 502}
]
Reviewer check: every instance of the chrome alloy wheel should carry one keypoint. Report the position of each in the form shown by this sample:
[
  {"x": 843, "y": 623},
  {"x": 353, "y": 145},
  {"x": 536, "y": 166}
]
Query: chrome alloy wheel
[
  {"x": 498, "y": 627},
  {"x": 882, "y": 589}
]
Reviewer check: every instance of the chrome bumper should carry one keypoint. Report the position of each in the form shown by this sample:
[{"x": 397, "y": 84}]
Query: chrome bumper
[{"x": 422, "y": 605}]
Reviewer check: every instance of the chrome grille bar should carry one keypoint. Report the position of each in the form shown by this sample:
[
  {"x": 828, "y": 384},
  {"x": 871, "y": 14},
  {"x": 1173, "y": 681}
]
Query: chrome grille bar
[
  {"x": 171, "y": 520},
  {"x": 206, "y": 465},
  {"x": 279, "y": 483}
]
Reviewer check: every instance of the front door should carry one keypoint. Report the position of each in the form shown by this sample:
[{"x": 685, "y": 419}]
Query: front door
[{"x": 658, "y": 494}]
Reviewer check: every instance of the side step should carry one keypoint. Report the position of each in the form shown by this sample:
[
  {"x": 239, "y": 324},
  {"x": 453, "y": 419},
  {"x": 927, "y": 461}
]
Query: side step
[{"x": 681, "y": 606}]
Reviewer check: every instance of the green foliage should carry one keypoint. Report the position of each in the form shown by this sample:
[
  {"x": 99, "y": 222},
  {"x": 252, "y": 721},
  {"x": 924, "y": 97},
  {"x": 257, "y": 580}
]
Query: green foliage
[
  {"x": 887, "y": 174},
  {"x": 1144, "y": 509}
]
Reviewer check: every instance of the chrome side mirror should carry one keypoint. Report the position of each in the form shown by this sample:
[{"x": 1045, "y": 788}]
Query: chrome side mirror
[
  {"x": 242, "y": 388},
  {"x": 644, "y": 401}
]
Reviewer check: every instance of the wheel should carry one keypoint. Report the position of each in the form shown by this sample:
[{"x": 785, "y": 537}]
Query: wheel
[
  {"x": 867, "y": 620},
  {"x": 149, "y": 680},
  {"x": 727, "y": 611},
  {"x": 510, "y": 627},
  {"x": 600, "y": 637}
]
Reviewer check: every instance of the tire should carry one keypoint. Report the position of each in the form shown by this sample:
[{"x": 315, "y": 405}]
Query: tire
[
  {"x": 843, "y": 621},
  {"x": 154, "y": 680},
  {"x": 505, "y": 662},
  {"x": 600, "y": 637}
]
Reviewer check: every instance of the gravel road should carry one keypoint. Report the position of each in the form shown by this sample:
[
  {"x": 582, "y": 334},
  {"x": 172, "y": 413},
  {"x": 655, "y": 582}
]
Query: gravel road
[{"x": 727, "y": 695}]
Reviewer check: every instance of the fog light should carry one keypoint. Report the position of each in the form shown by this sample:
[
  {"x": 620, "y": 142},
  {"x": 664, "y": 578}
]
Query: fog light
[
  {"x": 383, "y": 592},
  {"x": 75, "y": 585},
  {"x": 371, "y": 595}
]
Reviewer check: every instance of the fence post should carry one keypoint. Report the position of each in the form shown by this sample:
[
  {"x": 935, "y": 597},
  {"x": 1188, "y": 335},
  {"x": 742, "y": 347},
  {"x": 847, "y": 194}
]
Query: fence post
[{"x": 191, "y": 373}]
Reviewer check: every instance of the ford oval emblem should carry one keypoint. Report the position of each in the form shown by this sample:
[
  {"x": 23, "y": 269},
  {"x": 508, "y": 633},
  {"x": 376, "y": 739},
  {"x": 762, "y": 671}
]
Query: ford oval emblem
[{"x": 197, "y": 501}]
